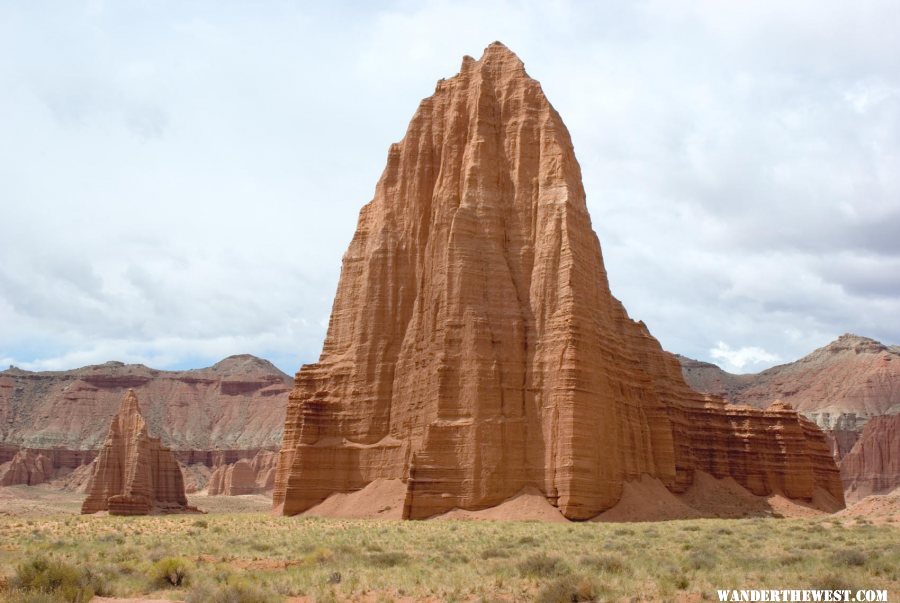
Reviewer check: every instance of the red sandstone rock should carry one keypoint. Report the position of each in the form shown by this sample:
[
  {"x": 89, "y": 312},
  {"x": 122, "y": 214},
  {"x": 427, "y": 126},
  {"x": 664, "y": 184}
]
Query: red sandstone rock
[
  {"x": 27, "y": 468},
  {"x": 244, "y": 476},
  {"x": 873, "y": 465},
  {"x": 134, "y": 474},
  {"x": 475, "y": 350}
]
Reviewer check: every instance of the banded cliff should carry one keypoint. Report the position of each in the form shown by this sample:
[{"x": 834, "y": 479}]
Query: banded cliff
[{"x": 474, "y": 347}]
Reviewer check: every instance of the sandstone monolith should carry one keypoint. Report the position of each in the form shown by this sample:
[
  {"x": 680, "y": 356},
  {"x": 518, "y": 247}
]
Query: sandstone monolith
[
  {"x": 134, "y": 474},
  {"x": 475, "y": 351}
]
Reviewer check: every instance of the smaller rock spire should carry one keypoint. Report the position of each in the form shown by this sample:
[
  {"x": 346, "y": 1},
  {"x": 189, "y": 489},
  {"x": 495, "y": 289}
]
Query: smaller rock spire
[{"x": 134, "y": 474}]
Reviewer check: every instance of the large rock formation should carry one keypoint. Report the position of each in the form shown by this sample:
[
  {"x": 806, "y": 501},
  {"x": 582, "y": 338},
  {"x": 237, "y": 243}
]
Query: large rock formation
[
  {"x": 475, "y": 350},
  {"x": 245, "y": 476},
  {"x": 134, "y": 474},
  {"x": 236, "y": 404},
  {"x": 873, "y": 465}
]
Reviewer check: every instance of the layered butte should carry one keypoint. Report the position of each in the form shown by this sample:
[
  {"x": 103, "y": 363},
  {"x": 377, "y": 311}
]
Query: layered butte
[{"x": 475, "y": 350}]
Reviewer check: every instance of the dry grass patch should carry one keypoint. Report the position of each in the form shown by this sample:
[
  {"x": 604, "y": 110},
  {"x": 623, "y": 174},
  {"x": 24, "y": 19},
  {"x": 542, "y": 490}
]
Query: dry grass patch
[{"x": 258, "y": 557}]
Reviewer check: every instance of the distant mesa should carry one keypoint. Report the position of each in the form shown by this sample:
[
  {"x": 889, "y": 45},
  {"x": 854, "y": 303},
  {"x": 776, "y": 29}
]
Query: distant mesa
[
  {"x": 475, "y": 353},
  {"x": 236, "y": 404},
  {"x": 134, "y": 474},
  {"x": 851, "y": 376}
]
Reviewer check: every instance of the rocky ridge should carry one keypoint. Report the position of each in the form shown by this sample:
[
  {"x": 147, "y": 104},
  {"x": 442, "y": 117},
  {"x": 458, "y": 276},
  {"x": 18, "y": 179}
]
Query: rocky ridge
[
  {"x": 839, "y": 386},
  {"x": 236, "y": 404}
]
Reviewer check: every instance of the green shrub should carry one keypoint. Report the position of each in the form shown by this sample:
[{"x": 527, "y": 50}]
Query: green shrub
[
  {"x": 60, "y": 581},
  {"x": 493, "y": 553},
  {"x": 849, "y": 558},
  {"x": 542, "y": 566},
  {"x": 170, "y": 571},
  {"x": 389, "y": 559},
  {"x": 569, "y": 589},
  {"x": 609, "y": 564},
  {"x": 701, "y": 559}
]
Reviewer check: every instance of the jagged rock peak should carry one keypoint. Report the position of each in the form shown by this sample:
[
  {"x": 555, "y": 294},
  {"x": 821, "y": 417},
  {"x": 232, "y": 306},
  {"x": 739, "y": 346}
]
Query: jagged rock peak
[
  {"x": 474, "y": 348},
  {"x": 854, "y": 343},
  {"x": 244, "y": 362}
]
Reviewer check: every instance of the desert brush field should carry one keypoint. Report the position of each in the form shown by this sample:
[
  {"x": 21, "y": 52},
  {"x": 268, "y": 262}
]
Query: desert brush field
[{"x": 241, "y": 553}]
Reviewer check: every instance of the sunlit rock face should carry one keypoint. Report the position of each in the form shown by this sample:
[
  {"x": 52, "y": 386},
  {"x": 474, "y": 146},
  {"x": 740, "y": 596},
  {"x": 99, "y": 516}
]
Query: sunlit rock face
[{"x": 475, "y": 349}]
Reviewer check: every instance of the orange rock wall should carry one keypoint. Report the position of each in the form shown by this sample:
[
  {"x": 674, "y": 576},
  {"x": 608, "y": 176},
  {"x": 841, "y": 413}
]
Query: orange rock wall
[
  {"x": 873, "y": 465},
  {"x": 245, "y": 476},
  {"x": 474, "y": 346}
]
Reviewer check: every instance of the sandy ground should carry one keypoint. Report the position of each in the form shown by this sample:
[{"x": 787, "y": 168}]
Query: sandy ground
[
  {"x": 382, "y": 499},
  {"x": 38, "y": 501},
  {"x": 646, "y": 499},
  {"x": 247, "y": 503},
  {"x": 45, "y": 500},
  {"x": 529, "y": 504},
  {"x": 877, "y": 508}
]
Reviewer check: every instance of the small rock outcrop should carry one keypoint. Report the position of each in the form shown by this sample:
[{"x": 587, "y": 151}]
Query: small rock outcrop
[
  {"x": 27, "y": 468},
  {"x": 245, "y": 476},
  {"x": 873, "y": 465},
  {"x": 475, "y": 350},
  {"x": 134, "y": 474}
]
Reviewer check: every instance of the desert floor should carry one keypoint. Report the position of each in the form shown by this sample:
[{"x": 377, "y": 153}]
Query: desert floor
[{"x": 239, "y": 552}]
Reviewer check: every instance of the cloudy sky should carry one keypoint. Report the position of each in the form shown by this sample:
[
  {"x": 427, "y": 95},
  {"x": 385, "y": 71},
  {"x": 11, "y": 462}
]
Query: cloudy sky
[{"x": 179, "y": 180}]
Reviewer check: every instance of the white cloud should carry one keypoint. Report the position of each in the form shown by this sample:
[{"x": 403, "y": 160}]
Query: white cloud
[
  {"x": 746, "y": 357},
  {"x": 181, "y": 180}
]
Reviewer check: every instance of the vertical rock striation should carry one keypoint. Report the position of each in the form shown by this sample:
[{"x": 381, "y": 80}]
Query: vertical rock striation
[
  {"x": 134, "y": 474},
  {"x": 873, "y": 465},
  {"x": 27, "y": 468},
  {"x": 245, "y": 476},
  {"x": 474, "y": 347}
]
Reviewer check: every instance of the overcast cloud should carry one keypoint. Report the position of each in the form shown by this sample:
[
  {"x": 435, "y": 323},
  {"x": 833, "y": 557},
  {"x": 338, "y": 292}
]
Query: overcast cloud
[{"x": 178, "y": 181}]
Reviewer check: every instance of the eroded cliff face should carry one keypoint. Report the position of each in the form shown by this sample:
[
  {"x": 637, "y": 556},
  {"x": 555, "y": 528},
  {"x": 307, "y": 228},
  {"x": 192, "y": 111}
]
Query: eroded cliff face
[
  {"x": 134, "y": 474},
  {"x": 245, "y": 476},
  {"x": 873, "y": 465},
  {"x": 27, "y": 468},
  {"x": 475, "y": 349}
]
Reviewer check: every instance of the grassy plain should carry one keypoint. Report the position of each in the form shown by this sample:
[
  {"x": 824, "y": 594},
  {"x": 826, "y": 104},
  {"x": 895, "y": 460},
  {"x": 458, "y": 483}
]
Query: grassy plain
[{"x": 253, "y": 556}]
